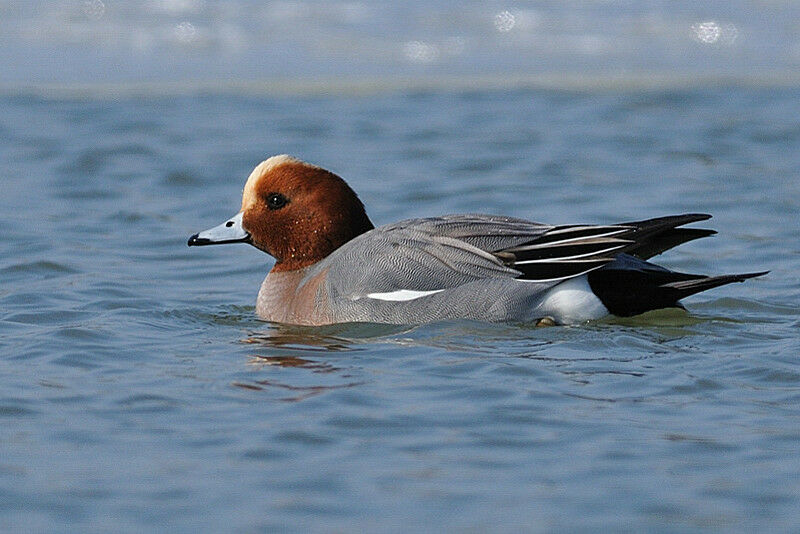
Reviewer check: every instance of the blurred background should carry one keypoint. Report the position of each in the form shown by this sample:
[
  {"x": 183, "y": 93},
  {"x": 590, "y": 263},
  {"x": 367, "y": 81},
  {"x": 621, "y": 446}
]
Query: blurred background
[{"x": 548, "y": 42}]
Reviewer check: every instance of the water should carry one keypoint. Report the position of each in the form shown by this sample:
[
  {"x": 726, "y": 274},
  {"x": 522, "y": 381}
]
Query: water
[{"x": 139, "y": 392}]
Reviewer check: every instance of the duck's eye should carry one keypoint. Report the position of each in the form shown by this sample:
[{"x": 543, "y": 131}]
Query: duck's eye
[{"x": 276, "y": 201}]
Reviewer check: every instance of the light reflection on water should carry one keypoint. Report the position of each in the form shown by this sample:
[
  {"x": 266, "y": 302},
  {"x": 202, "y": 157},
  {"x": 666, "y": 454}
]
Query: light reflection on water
[{"x": 49, "y": 41}]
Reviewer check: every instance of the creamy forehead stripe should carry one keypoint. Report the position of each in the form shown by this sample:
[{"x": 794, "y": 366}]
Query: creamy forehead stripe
[
  {"x": 402, "y": 295},
  {"x": 249, "y": 192}
]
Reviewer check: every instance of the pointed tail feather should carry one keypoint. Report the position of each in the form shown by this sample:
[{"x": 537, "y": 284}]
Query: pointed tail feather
[
  {"x": 654, "y": 236},
  {"x": 668, "y": 221},
  {"x": 685, "y": 288},
  {"x": 668, "y": 240},
  {"x": 628, "y": 289}
]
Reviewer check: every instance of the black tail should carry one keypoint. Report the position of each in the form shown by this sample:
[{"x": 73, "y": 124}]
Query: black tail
[
  {"x": 654, "y": 236},
  {"x": 690, "y": 287},
  {"x": 629, "y": 286}
]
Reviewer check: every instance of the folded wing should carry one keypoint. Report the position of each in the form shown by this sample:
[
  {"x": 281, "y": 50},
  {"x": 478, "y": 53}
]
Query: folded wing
[
  {"x": 567, "y": 251},
  {"x": 417, "y": 258}
]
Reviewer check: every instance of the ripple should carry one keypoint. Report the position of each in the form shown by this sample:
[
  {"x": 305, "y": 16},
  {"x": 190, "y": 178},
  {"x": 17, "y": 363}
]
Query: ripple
[
  {"x": 134, "y": 389},
  {"x": 305, "y": 129},
  {"x": 264, "y": 454},
  {"x": 87, "y": 192},
  {"x": 94, "y": 160},
  {"x": 704, "y": 442},
  {"x": 44, "y": 268},
  {"x": 768, "y": 375},
  {"x": 49, "y": 317},
  {"x": 226, "y": 316},
  {"x": 291, "y": 361},
  {"x": 296, "y": 393},
  {"x": 14, "y": 410},
  {"x": 77, "y": 360},
  {"x": 182, "y": 179},
  {"x": 303, "y": 438},
  {"x": 148, "y": 403}
]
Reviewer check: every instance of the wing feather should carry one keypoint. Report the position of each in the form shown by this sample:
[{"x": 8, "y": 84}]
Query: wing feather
[
  {"x": 571, "y": 250},
  {"x": 442, "y": 252}
]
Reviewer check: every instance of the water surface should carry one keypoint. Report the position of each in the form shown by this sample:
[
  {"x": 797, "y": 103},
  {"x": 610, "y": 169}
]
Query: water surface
[{"x": 138, "y": 390}]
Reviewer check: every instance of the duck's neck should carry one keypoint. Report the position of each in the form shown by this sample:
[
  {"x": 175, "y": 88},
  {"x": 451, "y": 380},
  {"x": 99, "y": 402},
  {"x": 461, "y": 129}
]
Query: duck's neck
[
  {"x": 304, "y": 245},
  {"x": 291, "y": 297}
]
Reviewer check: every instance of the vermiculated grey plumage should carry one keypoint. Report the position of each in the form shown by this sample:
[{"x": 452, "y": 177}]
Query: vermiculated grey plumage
[{"x": 500, "y": 268}]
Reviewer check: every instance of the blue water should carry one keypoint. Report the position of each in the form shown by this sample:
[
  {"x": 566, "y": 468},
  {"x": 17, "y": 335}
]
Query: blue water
[{"x": 139, "y": 392}]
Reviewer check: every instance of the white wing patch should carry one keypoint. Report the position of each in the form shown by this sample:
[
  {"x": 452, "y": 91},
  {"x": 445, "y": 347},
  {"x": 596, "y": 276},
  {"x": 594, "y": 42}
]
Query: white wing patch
[{"x": 402, "y": 295}]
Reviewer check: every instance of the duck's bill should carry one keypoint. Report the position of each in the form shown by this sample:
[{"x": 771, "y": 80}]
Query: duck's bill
[{"x": 230, "y": 231}]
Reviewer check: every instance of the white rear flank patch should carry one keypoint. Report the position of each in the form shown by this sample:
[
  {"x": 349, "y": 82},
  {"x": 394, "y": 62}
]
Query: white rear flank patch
[
  {"x": 402, "y": 295},
  {"x": 573, "y": 301}
]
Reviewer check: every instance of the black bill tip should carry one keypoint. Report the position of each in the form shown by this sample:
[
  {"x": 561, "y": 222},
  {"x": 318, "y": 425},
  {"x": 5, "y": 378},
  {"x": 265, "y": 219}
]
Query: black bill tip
[{"x": 197, "y": 241}]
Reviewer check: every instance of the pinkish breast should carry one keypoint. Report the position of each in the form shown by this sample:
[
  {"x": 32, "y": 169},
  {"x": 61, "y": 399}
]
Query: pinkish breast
[{"x": 285, "y": 297}]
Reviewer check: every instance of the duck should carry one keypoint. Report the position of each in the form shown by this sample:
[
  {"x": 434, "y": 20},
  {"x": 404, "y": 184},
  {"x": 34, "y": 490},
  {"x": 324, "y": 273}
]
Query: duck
[{"x": 332, "y": 265}]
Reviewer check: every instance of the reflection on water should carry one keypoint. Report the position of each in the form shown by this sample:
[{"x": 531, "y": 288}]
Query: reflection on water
[
  {"x": 257, "y": 360},
  {"x": 329, "y": 338},
  {"x": 304, "y": 341}
]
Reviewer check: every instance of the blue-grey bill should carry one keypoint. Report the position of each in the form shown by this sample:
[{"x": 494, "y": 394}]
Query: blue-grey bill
[{"x": 231, "y": 231}]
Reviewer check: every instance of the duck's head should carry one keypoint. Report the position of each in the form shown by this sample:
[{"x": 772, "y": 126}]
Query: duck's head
[{"x": 294, "y": 211}]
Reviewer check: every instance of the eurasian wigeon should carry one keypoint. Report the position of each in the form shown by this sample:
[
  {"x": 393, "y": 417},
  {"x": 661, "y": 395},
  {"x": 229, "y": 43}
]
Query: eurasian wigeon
[{"x": 333, "y": 266}]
